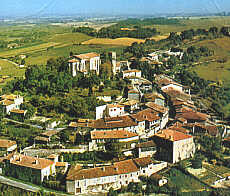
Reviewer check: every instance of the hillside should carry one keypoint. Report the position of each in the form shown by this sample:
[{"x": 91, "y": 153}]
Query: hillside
[{"x": 215, "y": 71}]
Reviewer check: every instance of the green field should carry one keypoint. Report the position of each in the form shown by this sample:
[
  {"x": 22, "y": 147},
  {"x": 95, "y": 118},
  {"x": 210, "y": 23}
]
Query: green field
[
  {"x": 185, "y": 182},
  {"x": 193, "y": 23},
  {"x": 215, "y": 71}
]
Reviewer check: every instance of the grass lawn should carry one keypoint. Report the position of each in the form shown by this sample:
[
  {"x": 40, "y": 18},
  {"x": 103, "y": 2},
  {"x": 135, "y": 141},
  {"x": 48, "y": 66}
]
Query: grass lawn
[
  {"x": 9, "y": 69},
  {"x": 185, "y": 182}
]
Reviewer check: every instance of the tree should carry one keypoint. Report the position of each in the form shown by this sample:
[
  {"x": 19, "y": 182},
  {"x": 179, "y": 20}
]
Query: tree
[
  {"x": 112, "y": 192},
  {"x": 197, "y": 161}
]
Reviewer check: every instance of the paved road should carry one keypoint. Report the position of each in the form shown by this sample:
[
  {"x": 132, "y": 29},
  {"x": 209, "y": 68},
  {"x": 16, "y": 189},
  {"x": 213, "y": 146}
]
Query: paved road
[{"x": 16, "y": 184}]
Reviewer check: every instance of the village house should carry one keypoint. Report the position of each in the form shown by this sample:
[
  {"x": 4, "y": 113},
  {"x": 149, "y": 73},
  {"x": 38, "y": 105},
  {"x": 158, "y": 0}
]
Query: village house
[
  {"x": 191, "y": 115},
  {"x": 134, "y": 94},
  {"x": 146, "y": 149},
  {"x": 116, "y": 123},
  {"x": 45, "y": 137},
  {"x": 11, "y": 102},
  {"x": 174, "y": 146},
  {"x": 115, "y": 176},
  {"x": 28, "y": 168},
  {"x": 18, "y": 114},
  {"x": 7, "y": 146},
  {"x": 117, "y": 66},
  {"x": 142, "y": 84},
  {"x": 153, "y": 56},
  {"x": 131, "y": 73},
  {"x": 131, "y": 106},
  {"x": 110, "y": 110},
  {"x": 148, "y": 121},
  {"x": 166, "y": 83},
  {"x": 85, "y": 63},
  {"x": 155, "y": 97},
  {"x": 162, "y": 111},
  {"x": 102, "y": 137}
]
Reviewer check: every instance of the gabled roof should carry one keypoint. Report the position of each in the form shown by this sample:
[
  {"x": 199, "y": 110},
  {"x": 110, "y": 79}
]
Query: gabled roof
[
  {"x": 143, "y": 162},
  {"x": 190, "y": 114},
  {"x": 172, "y": 135},
  {"x": 146, "y": 144},
  {"x": 50, "y": 133},
  {"x": 114, "y": 122},
  {"x": 117, "y": 134},
  {"x": 122, "y": 167},
  {"x": 6, "y": 102},
  {"x": 11, "y": 97},
  {"x": 6, "y": 143},
  {"x": 176, "y": 94},
  {"x": 117, "y": 168},
  {"x": 130, "y": 102},
  {"x": 18, "y": 111},
  {"x": 146, "y": 115},
  {"x": 32, "y": 162},
  {"x": 157, "y": 108},
  {"x": 131, "y": 71},
  {"x": 87, "y": 56}
]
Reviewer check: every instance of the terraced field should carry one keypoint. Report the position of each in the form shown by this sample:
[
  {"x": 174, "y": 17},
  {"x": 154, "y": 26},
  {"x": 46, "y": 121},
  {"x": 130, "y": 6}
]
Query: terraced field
[{"x": 119, "y": 41}]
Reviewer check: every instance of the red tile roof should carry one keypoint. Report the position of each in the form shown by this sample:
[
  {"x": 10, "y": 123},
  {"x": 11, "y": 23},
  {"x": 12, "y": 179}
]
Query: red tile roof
[
  {"x": 117, "y": 168},
  {"x": 146, "y": 144},
  {"x": 172, "y": 135},
  {"x": 132, "y": 70},
  {"x": 32, "y": 162},
  {"x": 190, "y": 114},
  {"x": 146, "y": 115},
  {"x": 157, "y": 108},
  {"x": 122, "y": 167},
  {"x": 117, "y": 134},
  {"x": 143, "y": 162},
  {"x": 114, "y": 122},
  {"x": 176, "y": 94},
  {"x": 87, "y": 56},
  {"x": 6, "y": 143}
]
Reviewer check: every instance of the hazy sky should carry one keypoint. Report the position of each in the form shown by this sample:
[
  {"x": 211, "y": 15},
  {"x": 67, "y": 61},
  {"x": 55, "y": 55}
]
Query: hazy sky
[{"x": 65, "y": 7}]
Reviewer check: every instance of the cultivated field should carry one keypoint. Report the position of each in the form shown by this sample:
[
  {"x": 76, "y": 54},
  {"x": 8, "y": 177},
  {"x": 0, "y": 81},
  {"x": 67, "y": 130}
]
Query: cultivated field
[
  {"x": 27, "y": 50},
  {"x": 119, "y": 41}
]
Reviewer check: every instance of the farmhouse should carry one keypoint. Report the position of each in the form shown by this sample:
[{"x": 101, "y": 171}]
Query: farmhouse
[
  {"x": 85, "y": 63},
  {"x": 7, "y": 146},
  {"x": 11, "y": 102},
  {"x": 110, "y": 110},
  {"x": 102, "y": 137},
  {"x": 116, "y": 123},
  {"x": 146, "y": 149},
  {"x": 163, "y": 112},
  {"x": 174, "y": 146},
  {"x": 29, "y": 168},
  {"x": 115, "y": 176}
]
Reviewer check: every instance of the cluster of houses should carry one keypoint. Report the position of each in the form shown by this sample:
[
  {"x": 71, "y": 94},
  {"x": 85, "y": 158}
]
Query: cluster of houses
[
  {"x": 140, "y": 123},
  {"x": 11, "y": 105}
]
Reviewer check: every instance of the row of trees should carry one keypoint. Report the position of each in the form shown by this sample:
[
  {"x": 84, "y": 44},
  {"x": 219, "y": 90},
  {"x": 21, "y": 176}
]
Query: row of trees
[{"x": 117, "y": 32}]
